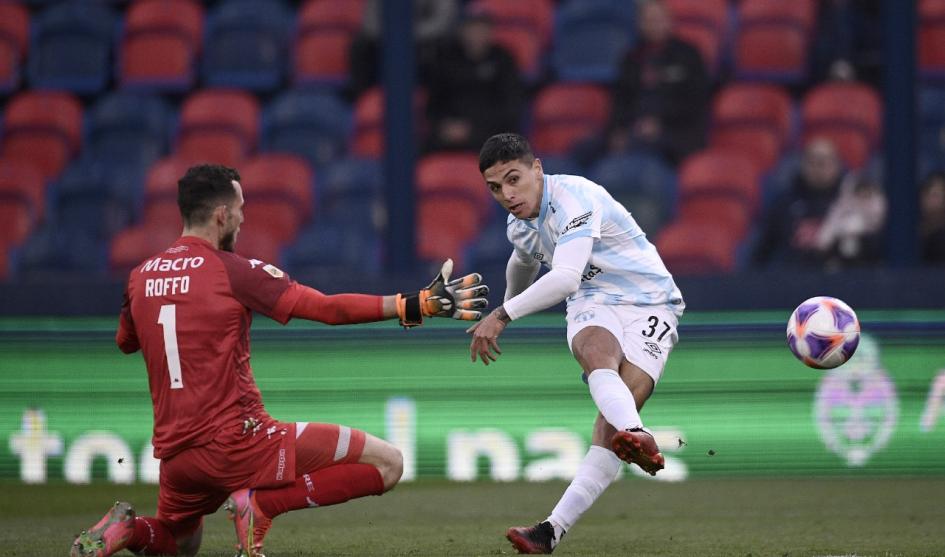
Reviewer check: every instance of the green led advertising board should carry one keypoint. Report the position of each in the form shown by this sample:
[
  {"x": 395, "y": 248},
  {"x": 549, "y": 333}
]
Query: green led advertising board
[{"x": 732, "y": 401}]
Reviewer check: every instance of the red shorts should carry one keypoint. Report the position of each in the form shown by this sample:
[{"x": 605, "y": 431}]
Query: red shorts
[{"x": 198, "y": 480}]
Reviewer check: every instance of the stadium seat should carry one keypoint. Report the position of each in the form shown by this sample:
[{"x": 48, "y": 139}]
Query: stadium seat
[
  {"x": 535, "y": 15},
  {"x": 931, "y": 39},
  {"x": 323, "y": 40},
  {"x": 642, "y": 183},
  {"x": 54, "y": 250},
  {"x": 350, "y": 181},
  {"x": 525, "y": 47},
  {"x": 720, "y": 173},
  {"x": 697, "y": 248},
  {"x": 704, "y": 24},
  {"x": 246, "y": 45},
  {"x": 445, "y": 226},
  {"x": 14, "y": 41},
  {"x": 314, "y": 125},
  {"x": 42, "y": 127},
  {"x": 335, "y": 243},
  {"x": 98, "y": 197},
  {"x": 717, "y": 211},
  {"x": 801, "y": 14},
  {"x": 71, "y": 47},
  {"x": 772, "y": 54},
  {"x": 22, "y": 198},
  {"x": 219, "y": 125},
  {"x": 591, "y": 37},
  {"x": 256, "y": 241},
  {"x": 448, "y": 176},
  {"x": 566, "y": 113},
  {"x": 278, "y": 193},
  {"x": 128, "y": 127},
  {"x": 849, "y": 114},
  {"x": 162, "y": 177},
  {"x": 367, "y": 140},
  {"x": 160, "y": 45},
  {"x": 133, "y": 245},
  {"x": 754, "y": 118}
]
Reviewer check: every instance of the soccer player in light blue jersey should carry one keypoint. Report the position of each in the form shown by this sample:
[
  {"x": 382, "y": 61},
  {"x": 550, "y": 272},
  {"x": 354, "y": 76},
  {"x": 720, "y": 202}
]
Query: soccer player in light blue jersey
[{"x": 622, "y": 311}]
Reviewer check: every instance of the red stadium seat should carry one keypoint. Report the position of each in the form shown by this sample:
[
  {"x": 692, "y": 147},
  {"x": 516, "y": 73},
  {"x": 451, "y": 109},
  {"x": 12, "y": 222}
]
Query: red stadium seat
[
  {"x": 849, "y": 114},
  {"x": 278, "y": 193},
  {"x": 566, "y": 113},
  {"x": 444, "y": 227},
  {"x": 717, "y": 211},
  {"x": 256, "y": 242},
  {"x": 801, "y": 14},
  {"x": 702, "y": 23},
  {"x": 696, "y": 248},
  {"x": 326, "y": 29},
  {"x": 537, "y": 15},
  {"x": 718, "y": 172},
  {"x": 219, "y": 125},
  {"x": 162, "y": 213},
  {"x": 367, "y": 141},
  {"x": 17, "y": 220},
  {"x": 43, "y": 127},
  {"x": 132, "y": 246},
  {"x": 525, "y": 47},
  {"x": 932, "y": 38},
  {"x": 20, "y": 181},
  {"x": 161, "y": 44},
  {"x": 771, "y": 54},
  {"x": 754, "y": 118},
  {"x": 451, "y": 175},
  {"x": 14, "y": 41}
]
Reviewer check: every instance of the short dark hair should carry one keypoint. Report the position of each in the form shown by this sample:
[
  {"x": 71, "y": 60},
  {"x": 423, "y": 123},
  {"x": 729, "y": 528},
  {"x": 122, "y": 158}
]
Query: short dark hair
[
  {"x": 505, "y": 147},
  {"x": 203, "y": 188}
]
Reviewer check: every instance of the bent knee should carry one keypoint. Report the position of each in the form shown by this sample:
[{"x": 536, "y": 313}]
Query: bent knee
[{"x": 392, "y": 468}]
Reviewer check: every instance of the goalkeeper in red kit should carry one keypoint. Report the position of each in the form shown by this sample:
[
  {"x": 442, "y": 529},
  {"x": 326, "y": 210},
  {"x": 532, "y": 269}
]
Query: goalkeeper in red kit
[{"x": 189, "y": 309}]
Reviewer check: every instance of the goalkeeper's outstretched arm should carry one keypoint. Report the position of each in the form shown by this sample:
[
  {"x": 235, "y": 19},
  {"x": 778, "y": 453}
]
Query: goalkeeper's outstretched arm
[{"x": 462, "y": 298}]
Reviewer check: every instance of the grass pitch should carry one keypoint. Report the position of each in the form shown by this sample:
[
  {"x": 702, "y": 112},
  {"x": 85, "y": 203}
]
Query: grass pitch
[{"x": 741, "y": 517}]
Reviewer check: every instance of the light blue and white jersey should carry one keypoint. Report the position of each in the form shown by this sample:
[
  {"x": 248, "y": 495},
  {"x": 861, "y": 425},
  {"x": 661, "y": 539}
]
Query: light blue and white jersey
[{"x": 624, "y": 267}]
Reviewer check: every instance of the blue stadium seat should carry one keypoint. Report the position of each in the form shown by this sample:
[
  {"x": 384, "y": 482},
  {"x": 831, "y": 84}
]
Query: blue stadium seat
[
  {"x": 350, "y": 181},
  {"x": 71, "y": 47},
  {"x": 129, "y": 127},
  {"x": 247, "y": 45},
  {"x": 560, "y": 164},
  {"x": 313, "y": 125},
  {"x": 56, "y": 249},
  {"x": 335, "y": 243},
  {"x": 591, "y": 38},
  {"x": 491, "y": 250},
  {"x": 643, "y": 183},
  {"x": 98, "y": 197}
]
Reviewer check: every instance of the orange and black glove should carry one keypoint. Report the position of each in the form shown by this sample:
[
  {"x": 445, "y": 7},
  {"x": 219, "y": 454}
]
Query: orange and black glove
[{"x": 461, "y": 298}]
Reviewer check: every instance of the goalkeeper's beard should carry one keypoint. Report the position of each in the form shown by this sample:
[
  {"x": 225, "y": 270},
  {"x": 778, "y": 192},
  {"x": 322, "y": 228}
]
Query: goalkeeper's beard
[{"x": 228, "y": 241}]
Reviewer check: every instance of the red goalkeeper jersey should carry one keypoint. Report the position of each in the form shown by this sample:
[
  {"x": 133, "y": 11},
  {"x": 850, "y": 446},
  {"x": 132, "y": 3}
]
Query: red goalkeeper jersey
[{"x": 189, "y": 310}]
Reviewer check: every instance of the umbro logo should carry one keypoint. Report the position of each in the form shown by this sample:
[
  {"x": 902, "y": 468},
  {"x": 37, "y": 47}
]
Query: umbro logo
[{"x": 652, "y": 349}]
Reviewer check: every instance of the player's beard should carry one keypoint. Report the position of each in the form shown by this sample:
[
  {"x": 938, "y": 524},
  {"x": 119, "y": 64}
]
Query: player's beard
[{"x": 228, "y": 241}]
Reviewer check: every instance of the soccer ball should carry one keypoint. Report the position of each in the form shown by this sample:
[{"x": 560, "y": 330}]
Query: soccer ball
[{"x": 823, "y": 332}]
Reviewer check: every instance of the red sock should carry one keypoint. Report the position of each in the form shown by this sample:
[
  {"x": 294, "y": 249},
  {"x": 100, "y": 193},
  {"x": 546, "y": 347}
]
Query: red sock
[
  {"x": 152, "y": 537},
  {"x": 328, "y": 486}
]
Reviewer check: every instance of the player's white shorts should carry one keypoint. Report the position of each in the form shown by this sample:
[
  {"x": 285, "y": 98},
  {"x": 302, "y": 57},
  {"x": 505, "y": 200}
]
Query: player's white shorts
[{"x": 647, "y": 334}]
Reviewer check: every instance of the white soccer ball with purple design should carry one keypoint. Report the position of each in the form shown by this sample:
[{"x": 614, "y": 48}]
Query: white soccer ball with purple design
[{"x": 823, "y": 332}]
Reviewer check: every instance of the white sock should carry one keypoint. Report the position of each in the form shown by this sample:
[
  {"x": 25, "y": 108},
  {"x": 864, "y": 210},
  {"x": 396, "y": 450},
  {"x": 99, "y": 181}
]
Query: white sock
[
  {"x": 614, "y": 399},
  {"x": 598, "y": 469}
]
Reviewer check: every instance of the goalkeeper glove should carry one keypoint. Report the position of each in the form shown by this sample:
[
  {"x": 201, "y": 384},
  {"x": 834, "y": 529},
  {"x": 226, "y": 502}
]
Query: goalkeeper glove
[{"x": 461, "y": 298}]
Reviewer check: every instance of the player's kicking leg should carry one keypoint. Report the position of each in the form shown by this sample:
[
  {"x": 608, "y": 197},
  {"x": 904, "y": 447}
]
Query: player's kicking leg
[{"x": 358, "y": 464}]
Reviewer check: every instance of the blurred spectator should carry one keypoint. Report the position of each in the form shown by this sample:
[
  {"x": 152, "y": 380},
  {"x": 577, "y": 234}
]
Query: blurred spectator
[
  {"x": 848, "y": 43},
  {"x": 662, "y": 94},
  {"x": 432, "y": 21},
  {"x": 824, "y": 220},
  {"x": 474, "y": 88},
  {"x": 932, "y": 218}
]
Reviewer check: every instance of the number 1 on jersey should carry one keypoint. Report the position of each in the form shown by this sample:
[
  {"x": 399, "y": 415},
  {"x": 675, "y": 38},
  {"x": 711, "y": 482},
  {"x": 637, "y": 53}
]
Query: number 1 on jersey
[{"x": 168, "y": 321}]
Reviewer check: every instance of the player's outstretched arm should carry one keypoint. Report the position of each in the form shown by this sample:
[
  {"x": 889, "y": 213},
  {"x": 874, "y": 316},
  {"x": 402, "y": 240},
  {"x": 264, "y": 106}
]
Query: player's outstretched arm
[{"x": 463, "y": 298}]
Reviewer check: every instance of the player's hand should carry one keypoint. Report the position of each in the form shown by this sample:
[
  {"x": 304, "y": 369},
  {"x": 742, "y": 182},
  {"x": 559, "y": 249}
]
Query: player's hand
[
  {"x": 485, "y": 341},
  {"x": 461, "y": 298}
]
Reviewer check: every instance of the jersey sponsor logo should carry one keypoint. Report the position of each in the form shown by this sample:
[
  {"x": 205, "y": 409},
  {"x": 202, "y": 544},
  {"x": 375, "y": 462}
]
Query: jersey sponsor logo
[
  {"x": 592, "y": 271},
  {"x": 273, "y": 270},
  {"x": 578, "y": 221},
  {"x": 280, "y": 467},
  {"x": 180, "y": 264}
]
